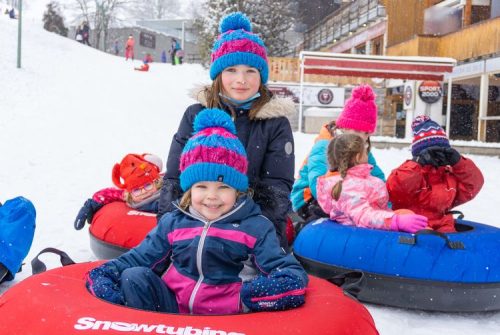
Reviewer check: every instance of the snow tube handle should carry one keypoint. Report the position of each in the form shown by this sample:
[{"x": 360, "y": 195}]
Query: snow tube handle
[
  {"x": 351, "y": 282},
  {"x": 412, "y": 240},
  {"x": 37, "y": 266}
]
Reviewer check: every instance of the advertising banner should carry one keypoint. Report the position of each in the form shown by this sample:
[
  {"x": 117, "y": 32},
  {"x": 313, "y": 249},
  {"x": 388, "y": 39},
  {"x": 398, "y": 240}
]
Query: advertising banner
[{"x": 317, "y": 96}]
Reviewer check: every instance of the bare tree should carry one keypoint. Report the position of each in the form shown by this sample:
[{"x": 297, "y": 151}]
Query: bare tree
[
  {"x": 101, "y": 14},
  {"x": 154, "y": 9}
]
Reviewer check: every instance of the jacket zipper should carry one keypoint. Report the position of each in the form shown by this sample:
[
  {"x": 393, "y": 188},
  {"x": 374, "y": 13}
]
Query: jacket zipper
[{"x": 199, "y": 251}]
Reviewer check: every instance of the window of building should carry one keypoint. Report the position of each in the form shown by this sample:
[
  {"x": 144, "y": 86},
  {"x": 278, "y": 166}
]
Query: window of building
[
  {"x": 480, "y": 11},
  {"x": 493, "y": 109},
  {"x": 378, "y": 45},
  {"x": 464, "y": 111},
  {"x": 360, "y": 49}
]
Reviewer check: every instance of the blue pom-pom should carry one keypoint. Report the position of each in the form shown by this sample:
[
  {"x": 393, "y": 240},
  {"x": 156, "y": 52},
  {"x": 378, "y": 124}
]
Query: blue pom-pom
[
  {"x": 214, "y": 117},
  {"x": 235, "y": 21}
]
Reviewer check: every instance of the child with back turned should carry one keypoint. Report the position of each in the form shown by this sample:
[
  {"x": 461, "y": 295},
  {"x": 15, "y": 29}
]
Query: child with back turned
[
  {"x": 437, "y": 179},
  {"x": 215, "y": 253},
  {"x": 352, "y": 196}
]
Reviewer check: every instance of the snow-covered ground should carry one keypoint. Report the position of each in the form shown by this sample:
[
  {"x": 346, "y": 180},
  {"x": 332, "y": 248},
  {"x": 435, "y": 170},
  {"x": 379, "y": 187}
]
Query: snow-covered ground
[{"x": 71, "y": 112}]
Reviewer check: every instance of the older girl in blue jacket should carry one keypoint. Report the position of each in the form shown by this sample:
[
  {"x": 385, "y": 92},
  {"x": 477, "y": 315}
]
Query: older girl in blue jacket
[{"x": 215, "y": 253}]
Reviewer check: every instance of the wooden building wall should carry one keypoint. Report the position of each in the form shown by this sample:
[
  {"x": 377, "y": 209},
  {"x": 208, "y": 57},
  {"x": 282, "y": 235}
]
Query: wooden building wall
[
  {"x": 405, "y": 19},
  {"x": 473, "y": 41}
]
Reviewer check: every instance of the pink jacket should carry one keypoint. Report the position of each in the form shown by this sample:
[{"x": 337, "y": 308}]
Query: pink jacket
[{"x": 362, "y": 202}]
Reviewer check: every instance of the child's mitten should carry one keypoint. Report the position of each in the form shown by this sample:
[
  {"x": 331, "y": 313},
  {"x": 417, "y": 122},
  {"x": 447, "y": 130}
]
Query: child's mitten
[
  {"x": 409, "y": 223},
  {"x": 281, "y": 290},
  {"x": 103, "y": 283}
]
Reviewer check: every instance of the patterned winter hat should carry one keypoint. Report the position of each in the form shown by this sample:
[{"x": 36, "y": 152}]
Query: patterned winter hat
[
  {"x": 238, "y": 45},
  {"x": 214, "y": 152},
  {"x": 427, "y": 133},
  {"x": 360, "y": 111},
  {"x": 136, "y": 170}
]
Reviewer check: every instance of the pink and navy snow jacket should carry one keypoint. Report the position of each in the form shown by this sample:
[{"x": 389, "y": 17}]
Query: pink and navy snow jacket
[
  {"x": 268, "y": 141},
  {"x": 363, "y": 200},
  {"x": 206, "y": 263}
]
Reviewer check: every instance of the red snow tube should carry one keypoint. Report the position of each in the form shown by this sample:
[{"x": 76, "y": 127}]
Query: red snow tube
[
  {"x": 57, "y": 302},
  {"x": 116, "y": 228}
]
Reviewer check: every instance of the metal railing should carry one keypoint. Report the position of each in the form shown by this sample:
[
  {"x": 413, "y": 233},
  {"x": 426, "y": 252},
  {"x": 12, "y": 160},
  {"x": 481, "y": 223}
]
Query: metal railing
[{"x": 342, "y": 22}]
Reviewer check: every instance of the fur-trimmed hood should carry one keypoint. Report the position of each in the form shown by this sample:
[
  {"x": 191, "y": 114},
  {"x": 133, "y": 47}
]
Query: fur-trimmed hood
[{"x": 276, "y": 107}]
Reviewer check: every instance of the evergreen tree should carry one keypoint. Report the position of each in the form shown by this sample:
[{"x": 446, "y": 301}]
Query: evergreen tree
[
  {"x": 270, "y": 19},
  {"x": 53, "y": 20}
]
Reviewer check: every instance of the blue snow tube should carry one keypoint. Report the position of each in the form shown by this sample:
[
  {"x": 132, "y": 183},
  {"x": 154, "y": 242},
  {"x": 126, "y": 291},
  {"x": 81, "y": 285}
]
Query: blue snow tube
[
  {"x": 17, "y": 227},
  {"x": 453, "y": 272}
]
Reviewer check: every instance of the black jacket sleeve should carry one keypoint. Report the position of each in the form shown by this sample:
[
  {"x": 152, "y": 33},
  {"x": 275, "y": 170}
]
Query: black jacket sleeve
[{"x": 272, "y": 189}]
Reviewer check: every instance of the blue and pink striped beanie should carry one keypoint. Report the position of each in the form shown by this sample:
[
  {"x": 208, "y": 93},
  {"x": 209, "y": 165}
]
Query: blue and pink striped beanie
[
  {"x": 214, "y": 152},
  {"x": 238, "y": 45}
]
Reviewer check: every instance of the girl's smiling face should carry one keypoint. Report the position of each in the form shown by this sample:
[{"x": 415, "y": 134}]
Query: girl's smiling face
[
  {"x": 212, "y": 199},
  {"x": 240, "y": 82}
]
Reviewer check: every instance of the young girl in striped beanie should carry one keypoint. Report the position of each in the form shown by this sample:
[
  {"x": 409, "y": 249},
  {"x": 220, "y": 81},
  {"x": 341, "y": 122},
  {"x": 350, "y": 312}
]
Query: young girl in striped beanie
[{"x": 215, "y": 253}]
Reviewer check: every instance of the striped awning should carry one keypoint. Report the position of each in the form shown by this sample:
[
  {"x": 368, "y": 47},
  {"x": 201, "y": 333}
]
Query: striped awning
[{"x": 388, "y": 67}]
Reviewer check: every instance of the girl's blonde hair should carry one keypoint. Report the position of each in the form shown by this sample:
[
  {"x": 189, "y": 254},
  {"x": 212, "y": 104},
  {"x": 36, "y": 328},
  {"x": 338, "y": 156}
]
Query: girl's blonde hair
[
  {"x": 342, "y": 152},
  {"x": 214, "y": 100},
  {"x": 185, "y": 201}
]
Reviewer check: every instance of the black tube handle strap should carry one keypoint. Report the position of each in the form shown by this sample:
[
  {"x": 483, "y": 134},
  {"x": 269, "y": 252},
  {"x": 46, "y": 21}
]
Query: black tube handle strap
[
  {"x": 412, "y": 240},
  {"x": 351, "y": 282},
  {"x": 37, "y": 266}
]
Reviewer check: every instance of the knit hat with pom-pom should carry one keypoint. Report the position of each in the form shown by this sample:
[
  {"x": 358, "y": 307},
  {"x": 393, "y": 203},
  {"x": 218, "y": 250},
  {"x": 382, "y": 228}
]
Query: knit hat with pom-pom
[
  {"x": 214, "y": 152},
  {"x": 136, "y": 170},
  {"x": 238, "y": 45},
  {"x": 427, "y": 133},
  {"x": 360, "y": 111}
]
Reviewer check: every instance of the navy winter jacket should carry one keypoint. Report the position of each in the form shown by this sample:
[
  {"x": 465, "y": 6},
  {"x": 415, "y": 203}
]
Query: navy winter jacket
[
  {"x": 268, "y": 141},
  {"x": 207, "y": 262}
]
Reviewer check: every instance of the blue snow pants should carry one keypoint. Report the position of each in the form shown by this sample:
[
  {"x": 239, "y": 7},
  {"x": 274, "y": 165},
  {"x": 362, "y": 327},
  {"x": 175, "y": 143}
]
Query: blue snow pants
[{"x": 143, "y": 289}]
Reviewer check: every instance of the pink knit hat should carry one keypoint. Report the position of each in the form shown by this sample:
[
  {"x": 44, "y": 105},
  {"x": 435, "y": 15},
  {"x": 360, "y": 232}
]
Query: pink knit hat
[{"x": 360, "y": 111}]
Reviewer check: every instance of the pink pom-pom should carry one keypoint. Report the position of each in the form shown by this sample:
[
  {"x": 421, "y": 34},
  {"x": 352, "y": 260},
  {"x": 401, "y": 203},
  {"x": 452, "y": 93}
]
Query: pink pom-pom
[{"x": 363, "y": 92}]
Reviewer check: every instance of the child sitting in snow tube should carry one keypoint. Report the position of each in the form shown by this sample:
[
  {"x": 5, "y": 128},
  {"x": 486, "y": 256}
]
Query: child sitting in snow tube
[
  {"x": 138, "y": 178},
  {"x": 437, "y": 179},
  {"x": 215, "y": 253},
  {"x": 352, "y": 196},
  {"x": 121, "y": 217}
]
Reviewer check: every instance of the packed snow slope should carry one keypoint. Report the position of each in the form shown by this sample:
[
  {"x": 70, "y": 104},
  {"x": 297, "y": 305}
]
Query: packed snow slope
[{"x": 71, "y": 112}]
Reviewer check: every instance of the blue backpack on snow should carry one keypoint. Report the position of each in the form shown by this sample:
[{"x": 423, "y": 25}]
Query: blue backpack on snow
[{"x": 17, "y": 228}]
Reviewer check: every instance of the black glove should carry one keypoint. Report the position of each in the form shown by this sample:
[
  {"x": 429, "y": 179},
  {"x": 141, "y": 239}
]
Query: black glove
[
  {"x": 86, "y": 213},
  {"x": 438, "y": 156},
  {"x": 452, "y": 156}
]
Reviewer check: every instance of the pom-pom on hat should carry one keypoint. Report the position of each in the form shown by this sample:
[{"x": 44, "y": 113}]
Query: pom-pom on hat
[
  {"x": 214, "y": 152},
  {"x": 427, "y": 133},
  {"x": 360, "y": 111},
  {"x": 136, "y": 170},
  {"x": 238, "y": 45}
]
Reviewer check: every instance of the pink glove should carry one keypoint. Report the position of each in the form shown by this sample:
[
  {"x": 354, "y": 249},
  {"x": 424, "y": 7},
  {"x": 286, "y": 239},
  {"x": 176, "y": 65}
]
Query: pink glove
[
  {"x": 108, "y": 195},
  {"x": 409, "y": 223}
]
